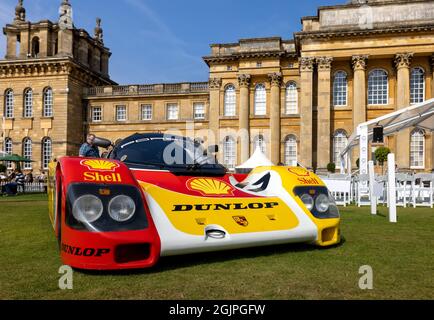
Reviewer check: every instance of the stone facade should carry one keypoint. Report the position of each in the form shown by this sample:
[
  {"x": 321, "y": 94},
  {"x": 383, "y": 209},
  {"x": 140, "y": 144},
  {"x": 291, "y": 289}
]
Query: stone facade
[{"x": 301, "y": 98}]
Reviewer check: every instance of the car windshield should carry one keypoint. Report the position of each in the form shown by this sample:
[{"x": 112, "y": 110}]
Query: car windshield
[{"x": 163, "y": 152}]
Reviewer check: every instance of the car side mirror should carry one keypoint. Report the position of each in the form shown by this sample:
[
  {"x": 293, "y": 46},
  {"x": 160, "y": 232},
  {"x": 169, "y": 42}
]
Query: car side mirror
[
  {"x": 213, "y": 149},
  {"x": 102, "y": 143}
]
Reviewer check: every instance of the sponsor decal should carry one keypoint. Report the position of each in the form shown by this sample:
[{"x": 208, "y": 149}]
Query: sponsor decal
[
  {"x": 298, "y": 171},
  {"x": 241, "y": 220},
  {"x": 99, "y": 165},
  {"x": 100, "y": 177},
  {"x": 309, "y": 180},
  {"x": 224, "y": 206},
  {"x": 208, "y": 186},
  {"x": 84, "y": 252}
]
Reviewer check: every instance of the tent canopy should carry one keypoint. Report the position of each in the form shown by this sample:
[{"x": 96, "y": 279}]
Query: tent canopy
[
  {"x": 258, "y": 159},
  {"x": 420, "y": 115}
]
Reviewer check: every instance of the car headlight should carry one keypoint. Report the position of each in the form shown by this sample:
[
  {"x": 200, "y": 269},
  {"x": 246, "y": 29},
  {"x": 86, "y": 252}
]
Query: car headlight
[
  {"x": 308, "y": 201},
  {"x": 87, "y": 208},
  {"x": 121, "y": 208},
  {"x": 322, "y": 203}
]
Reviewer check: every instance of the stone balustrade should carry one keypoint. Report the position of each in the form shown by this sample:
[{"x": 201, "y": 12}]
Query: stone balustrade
[{"x": 148, "y": 89}]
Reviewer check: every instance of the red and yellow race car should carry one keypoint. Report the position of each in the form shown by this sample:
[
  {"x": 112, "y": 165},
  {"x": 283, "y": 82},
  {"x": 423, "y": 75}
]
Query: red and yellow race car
[{"x": 159, "y": 195}]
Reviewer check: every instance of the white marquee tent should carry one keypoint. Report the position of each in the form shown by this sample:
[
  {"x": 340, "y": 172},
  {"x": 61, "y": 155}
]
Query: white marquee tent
[{"x": 258, "y": 159}]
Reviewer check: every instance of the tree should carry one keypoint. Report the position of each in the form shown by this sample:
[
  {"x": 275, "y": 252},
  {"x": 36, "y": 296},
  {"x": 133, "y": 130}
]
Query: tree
[
  {"x": 2, "y": 168},
  {"x": 381, "y": 156},
  {"x": 331, "y": 167}
]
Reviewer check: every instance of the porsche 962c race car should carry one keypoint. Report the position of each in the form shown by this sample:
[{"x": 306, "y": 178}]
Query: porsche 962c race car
[{"x": 133, "y": 207}]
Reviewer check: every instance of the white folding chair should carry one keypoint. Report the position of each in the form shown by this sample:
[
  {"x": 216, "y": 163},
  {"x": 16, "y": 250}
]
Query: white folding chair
[{"x": 422, "y": 195}]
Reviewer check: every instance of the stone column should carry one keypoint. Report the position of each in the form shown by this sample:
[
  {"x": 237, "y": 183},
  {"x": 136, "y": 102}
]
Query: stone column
[
  {"x": 359, "y": 97},
  {"x": 276, "y": 81},
  {"x": 244, "y": 83},
  {"x": 306, "y": 137},
  {"x": 324, "y": 101},
  {"x": 432, "y": 96},
  {"x": 402, "y": 63},
  {"x": 214, "y": 111},
  {"x": 359, "y": 105}
]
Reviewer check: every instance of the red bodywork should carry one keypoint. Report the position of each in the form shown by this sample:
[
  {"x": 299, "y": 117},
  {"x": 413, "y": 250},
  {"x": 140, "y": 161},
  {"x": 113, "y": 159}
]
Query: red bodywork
[{"x": 102, "y": 250}]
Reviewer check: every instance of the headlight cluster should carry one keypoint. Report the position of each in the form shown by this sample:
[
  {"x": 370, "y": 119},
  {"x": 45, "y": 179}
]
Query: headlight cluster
[
  {"x": 318, "y": 201},
  {"x": 89, "y": 208},
  {"x": 321, "y": 203}
]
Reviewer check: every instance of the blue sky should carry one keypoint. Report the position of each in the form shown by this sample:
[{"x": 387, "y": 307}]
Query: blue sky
[{"x": 156, "y": 41}]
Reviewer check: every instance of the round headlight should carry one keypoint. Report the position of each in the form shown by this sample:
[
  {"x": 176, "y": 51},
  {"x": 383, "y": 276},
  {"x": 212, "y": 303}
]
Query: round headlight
[
  {"x": 121, "y": 208},
  {"x": 87, "y": 208},
  {"x": 307, "y": 200},
  {"x": 322, "y": 203}
]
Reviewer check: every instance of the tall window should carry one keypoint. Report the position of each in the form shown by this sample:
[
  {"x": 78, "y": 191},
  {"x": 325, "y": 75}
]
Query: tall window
[
  {"x": 291, "y": 151},
  {"x": 260, "y": 100},
  {"x": 340, "y": 89},
  {"x": 417, "y": 149},
  {"x": 48, "y": 103},
  {"x": 230, "y": 101},
  {"x": 378, "y": 87},
  {"x": 291, "y": 103},
  {"x": 340, "y": 141},
  {"x": 9, "y": 104},
  {"x": 27, "y": 153},
  {"x": 121, "y": 113},
  {"x": 46, "y": 152},
  {"x": 28, "y": 103},
  {"x": 35, "y": 47},
  {"x": 229, "y": 152},
  {"x": 8, "y": 148},
  {"x": 199, "y": 110},
  {"x": 172, "y": 111},
  {"x": 417, "y": 85},
  {"x": 146, "y": 112},
  {"x": 96, "y": 114},
  {"x": 259, "y": 141}
]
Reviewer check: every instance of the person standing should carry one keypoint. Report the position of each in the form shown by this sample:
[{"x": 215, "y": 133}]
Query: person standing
[{"x": 89, "y": 149}]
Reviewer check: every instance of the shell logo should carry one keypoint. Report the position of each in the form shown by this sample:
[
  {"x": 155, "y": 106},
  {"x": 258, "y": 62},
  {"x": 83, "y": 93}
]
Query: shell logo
[
  {"x": 99, "y": 165},
  {"x": 301, "y": 172},
  {"x": 208, "y": 186}
]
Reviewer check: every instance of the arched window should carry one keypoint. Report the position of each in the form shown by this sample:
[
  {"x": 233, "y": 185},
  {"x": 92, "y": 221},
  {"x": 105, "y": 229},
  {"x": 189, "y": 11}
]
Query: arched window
[
  {"x": 417, "y": 85},
  {"x": 230, "y": 101},
  {"x": 417, "y": 149},
  {"x": 340, "y": 89},
  {"x": 291, "y": 151},
  {"x": 28, "y": 103},
  {"x": 35, "y": 47},
  {"x": 9, "y": 104},
  {"x": 27, "y": 152},
  {"x": 8, "y": 149},
  {"x": 48, "y": 103},
  {"x": 229, "y": 152},
  {"x": 291, "y": 98},
  {"x": 259, "y": 141},
  {"x": 340, "y": 141},
  {"x": 260, "y": 100},
  {"x": 378, "y": 87},
  {"x": 46, "y": 152}
]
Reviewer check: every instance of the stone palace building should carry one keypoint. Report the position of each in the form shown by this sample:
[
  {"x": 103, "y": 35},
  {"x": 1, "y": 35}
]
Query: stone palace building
[{"x": 298, "y": 99}]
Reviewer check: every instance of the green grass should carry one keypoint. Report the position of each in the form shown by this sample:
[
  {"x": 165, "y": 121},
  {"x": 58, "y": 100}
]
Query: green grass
[{"x": 401, "y": 255}]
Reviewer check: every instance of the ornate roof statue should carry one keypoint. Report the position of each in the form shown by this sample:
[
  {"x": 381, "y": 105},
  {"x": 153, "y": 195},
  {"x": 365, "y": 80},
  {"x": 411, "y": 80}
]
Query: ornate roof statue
[
  {"x": 20, "y": 12},
  {"x": 65, "y": 15},
  {"x": 98, "y": 31}
]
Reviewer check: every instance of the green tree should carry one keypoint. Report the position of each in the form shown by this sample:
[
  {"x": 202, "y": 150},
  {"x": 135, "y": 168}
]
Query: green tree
[
  {"x": 381, "y": 156},
  {"x": 2, "y": 168},
  {"x": 331, "y": 167}
]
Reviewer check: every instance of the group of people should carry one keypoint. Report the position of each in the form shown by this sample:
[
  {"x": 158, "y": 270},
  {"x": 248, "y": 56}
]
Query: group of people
[{"x": 17, "y": 181}]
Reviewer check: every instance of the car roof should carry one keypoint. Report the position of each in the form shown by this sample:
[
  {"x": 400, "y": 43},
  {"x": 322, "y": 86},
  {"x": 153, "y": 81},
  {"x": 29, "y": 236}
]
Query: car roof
[{"x": 138, "y": 136}]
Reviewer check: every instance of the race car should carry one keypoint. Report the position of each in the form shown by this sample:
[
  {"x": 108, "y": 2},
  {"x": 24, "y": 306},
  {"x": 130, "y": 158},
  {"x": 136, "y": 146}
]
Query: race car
[{"x": 158, "y": 195}]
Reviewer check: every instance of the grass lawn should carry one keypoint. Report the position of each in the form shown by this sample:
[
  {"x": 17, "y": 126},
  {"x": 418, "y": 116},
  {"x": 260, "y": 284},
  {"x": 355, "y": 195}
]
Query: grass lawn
[{"x": 401, "y": 255}]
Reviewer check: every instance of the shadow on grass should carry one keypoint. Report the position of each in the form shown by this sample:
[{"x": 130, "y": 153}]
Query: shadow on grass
[{"x": 185, "y": 261}]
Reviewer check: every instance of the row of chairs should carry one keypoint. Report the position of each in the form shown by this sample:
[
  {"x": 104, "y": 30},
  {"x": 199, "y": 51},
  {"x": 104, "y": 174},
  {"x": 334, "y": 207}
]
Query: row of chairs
[{"x": 415, "y": 190}]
